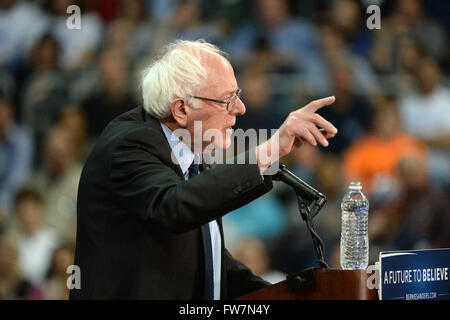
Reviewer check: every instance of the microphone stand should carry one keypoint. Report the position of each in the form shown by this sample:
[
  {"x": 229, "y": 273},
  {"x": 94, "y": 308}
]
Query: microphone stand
[
  {"x": 307, "y": 216},
  {"x": 309, "y": 207}
]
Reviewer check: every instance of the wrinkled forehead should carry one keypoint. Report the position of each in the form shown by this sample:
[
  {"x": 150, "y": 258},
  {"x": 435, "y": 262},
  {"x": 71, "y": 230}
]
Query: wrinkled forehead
[{"x": 220, "y": 74}]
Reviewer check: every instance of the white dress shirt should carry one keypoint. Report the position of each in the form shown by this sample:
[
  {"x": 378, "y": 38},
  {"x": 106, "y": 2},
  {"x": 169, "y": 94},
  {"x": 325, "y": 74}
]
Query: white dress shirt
[{"x": 185, "y": 157}]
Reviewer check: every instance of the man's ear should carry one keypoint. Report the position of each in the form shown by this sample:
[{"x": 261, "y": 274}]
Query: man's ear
[{"x": 178, "y": 110}]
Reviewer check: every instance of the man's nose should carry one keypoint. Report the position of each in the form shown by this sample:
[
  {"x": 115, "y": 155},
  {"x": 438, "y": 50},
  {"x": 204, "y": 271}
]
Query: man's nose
[{"x": 238, "y": 108}]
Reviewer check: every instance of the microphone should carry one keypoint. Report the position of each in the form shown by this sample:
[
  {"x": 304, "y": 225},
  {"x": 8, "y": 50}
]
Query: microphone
[
  {"x": 302, "y": 189},
  {"x": 307, "y": 197}
]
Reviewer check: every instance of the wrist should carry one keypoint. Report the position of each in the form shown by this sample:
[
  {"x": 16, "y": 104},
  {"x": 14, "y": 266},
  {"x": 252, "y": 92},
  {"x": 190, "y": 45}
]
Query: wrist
[{"x": 266, "y": 155}]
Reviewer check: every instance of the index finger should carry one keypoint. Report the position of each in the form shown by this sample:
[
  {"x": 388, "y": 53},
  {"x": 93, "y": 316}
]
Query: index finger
[{"x": 315, "y": 105}]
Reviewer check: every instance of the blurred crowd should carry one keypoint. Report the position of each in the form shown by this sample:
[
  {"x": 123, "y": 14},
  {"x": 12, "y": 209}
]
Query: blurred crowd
[{"x": 59, "y": 87}]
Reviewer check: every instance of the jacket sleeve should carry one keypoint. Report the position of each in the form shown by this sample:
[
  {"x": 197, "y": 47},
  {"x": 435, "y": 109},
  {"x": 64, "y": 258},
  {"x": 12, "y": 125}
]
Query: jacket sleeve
[
  {"x": 240, "y": 280},
  {"x": 145, "y": 186}
]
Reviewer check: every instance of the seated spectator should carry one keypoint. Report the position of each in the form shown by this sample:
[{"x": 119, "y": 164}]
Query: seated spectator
[
  {"x": 346, "y": 19},
  {"x": 333, "y": 49},
  {"x": 12, "y": 285},
  {"x": 329, "y": 182},
  {"x": 112, "y": 98},
  {"x": 74, "y": 120},
  {"x": 77, "y": 45},
  {"x": 253, "y": 253},
  {"x": 292, "y": 39},
  {"x": 131, "y": 32},
  {"x": 56, "y": 286},
  {"x": 425, "y": 115},
  {"x": 262, "y": 109},
  {"x": 186, "y": 22},
  {"x": 428, "y": 102},
  {"x": 412, "y": 18},
  {"x": 45, "y": 89},
  {"x": 16, "y": 155},
  {"x": 417, "y": 219},
  {"x": 58, "y": 179},
  {"x": 373, "y": 160},
  {"x": 16, "y": 35},
  {"x": 426, "y": 209},
  {"x": 409, "y": 22},
  {"x": 36, "y": 241},
  {"x": 350, "y": 114}
]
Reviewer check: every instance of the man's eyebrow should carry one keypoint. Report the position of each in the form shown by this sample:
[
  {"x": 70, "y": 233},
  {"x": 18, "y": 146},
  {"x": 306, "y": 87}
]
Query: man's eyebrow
[{"x": 230, "y": 93}]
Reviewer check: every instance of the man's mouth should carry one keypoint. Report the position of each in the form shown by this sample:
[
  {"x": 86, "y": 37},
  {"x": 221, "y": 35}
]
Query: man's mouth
[{"x": 230, "y": 127}]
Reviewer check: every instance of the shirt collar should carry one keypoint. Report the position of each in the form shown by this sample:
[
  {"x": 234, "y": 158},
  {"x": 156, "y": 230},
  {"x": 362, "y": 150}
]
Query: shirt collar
[{"x": 180, "y": 150}]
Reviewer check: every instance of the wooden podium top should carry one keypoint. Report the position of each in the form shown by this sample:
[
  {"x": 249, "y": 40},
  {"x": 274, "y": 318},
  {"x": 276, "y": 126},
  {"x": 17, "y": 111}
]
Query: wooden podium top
[{"x": 331, "y": 284}]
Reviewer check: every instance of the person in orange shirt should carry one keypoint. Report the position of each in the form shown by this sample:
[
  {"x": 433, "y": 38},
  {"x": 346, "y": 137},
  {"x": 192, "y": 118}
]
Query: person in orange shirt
[{"x": 376, "y": 156}]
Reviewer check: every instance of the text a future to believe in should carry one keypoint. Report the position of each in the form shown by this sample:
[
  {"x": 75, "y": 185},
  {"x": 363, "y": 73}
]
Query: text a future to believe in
[{"x": 415, "y": 275}]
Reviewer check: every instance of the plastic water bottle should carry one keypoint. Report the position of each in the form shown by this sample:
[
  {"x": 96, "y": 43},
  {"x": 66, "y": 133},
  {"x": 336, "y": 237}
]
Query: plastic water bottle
[{"x": 354, "y": 236}]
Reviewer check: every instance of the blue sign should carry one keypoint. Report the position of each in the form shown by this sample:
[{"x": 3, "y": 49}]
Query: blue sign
[{"x": 415, "y": 274}]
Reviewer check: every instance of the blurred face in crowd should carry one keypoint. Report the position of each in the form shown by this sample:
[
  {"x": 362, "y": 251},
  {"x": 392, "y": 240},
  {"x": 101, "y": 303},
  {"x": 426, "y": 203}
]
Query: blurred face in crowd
[
  {"x": 272, "y": 12},
  {"x": 62, "y": 258},
  {"x": 409, "y": 10},
  {"x": 188, "y": 14},
  {"x": 307, "y": 156},
  {"x": 414, "y": 175},
  {"x": 45, "y": 54},
  {"x": 252, "y": 253},
  {"x": 74, "y": 120},
  {"x": 346, "y": 15},
  {"x": 409, "y": 55},
  {"x": 29, "y": 212},
  {"x": 428, "y": 76},
  {"x": 221, "y": 85},
  {"x": 330, "y": 39},
  {"x": 342, "y": 78},
  {"x": 133, "y": 10},
  {"x": 59, "y": 151},
  {"x": 255, "y": 87},
  {"x": 113, "y": 71},
  {"x": 329, "y": 175},
  {"x": 386, "y": 121},
  {"x": 117, "y": 34}
]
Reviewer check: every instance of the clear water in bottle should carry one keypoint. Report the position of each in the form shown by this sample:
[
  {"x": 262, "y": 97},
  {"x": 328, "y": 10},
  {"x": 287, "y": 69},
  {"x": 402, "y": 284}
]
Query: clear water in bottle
[{"x": 354, "y": 235}]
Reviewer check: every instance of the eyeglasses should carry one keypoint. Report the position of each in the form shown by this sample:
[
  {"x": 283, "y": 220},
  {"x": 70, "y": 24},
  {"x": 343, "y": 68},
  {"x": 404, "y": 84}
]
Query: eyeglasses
[{"x": 230, "y": 102}]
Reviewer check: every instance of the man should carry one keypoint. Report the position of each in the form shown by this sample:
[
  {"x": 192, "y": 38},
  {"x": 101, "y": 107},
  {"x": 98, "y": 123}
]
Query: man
[
  {"x": 16, "y": 156},
  {"x": 148, "y": 224}
]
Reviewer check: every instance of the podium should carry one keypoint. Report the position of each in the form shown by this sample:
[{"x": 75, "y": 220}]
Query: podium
[{"x": 318, "y": 284}]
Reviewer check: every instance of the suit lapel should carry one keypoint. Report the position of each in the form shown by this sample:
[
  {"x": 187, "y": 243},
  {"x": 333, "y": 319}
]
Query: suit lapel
[{"x": 165, "y": 151}]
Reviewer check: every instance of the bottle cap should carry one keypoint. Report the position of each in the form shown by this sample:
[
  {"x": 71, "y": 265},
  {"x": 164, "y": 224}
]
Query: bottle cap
[{"x": 355, "y": 185}]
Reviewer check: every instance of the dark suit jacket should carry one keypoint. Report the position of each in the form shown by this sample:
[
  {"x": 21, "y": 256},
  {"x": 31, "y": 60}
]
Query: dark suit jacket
[{"x": 139, "y": 232}]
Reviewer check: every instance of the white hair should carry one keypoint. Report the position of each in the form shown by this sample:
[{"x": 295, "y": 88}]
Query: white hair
[{"x": 178, "y": 73}]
